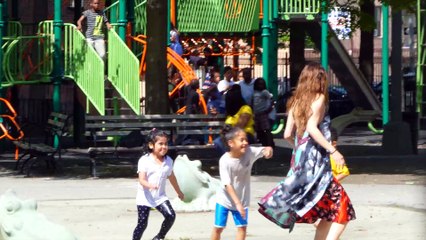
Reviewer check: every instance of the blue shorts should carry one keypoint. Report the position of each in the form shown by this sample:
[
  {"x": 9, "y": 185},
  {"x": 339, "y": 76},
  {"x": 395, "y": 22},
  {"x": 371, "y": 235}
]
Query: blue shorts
[{"x": 221, "y": 217}]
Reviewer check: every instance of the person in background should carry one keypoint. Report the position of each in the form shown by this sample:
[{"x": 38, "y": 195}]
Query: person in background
[
  {"x": 192, "y": 101},
  {"x": 246, "y": 84},
  {"x": 338, "y": 173},
  {"x": 238, "y": 114},
  {"x": 262, "y": 107},
  {"x": 96, "y": 20},
  {"x": 175, "y": 44},
  {"x": 212, "y": 95}
]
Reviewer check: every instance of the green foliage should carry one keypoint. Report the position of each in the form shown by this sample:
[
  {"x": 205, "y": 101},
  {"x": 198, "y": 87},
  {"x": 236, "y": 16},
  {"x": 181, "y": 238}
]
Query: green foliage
[
  {"x": 399, "y": 5},
  {"x": 362, "y": 20}
]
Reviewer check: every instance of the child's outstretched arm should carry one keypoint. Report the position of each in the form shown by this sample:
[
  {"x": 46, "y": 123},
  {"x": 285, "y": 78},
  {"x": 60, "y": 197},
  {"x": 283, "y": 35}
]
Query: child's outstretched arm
[
  {"x": 173, "y": 181},
  {"x": 267, "y": 152},
  {"x": 144, "y": 182},
  {"x": 231, "y": 191}
]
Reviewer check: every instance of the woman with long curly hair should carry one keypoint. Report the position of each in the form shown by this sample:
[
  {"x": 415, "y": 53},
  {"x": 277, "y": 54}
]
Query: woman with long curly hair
[{"x": 309, "y": 192}]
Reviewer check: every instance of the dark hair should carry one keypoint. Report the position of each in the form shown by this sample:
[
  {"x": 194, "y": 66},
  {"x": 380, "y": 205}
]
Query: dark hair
[
  {"x": 259, "y": 84},
  {"x": 333, "y": 134},
  {"x": 227, "y": 69},
  {"x": 194, "y": 84},
  {"x": 234, "y": 100},
  {"x": 207, "y": 50},
  {"x": 229, "y": 132},
  {"x": 246, "y": 73},
  {"x": 152, "y": 137}
]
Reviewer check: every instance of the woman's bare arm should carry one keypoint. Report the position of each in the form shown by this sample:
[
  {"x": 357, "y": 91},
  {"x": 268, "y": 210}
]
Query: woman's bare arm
[
  {"x": 290, "y": 129},
  {"x": 318, "y": 111}
]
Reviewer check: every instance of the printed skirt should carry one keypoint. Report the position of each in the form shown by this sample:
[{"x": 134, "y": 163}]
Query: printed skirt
[{"x": 334, "y": 206}]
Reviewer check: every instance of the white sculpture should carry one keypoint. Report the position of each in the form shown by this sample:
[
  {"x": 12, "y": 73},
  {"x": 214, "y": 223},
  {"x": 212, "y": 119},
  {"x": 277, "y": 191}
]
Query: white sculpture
[
  {"x": 19, "y": 220},
  {"x": 198, "y": 186}
]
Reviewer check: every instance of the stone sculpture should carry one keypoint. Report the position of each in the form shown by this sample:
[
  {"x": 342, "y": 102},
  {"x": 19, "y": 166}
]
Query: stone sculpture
[
  {"x": 19, "y": 220},
  {"x": 197, "y": 185}
]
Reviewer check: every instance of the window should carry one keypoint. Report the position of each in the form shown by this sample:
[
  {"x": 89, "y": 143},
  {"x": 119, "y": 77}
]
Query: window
[
  {"x": 72, "y": 3},
  {"x": 378, "y": 19}
]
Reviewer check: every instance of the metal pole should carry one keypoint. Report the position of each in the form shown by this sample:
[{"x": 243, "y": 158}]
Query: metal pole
[
  {"x": 131, "y": 22},
  {"x": 421, "y": 57},
  {"x": 122, "y": 21},
  {"x": 57, "y": 56},
  {"x": 265, "y": 41},
  {"x": 385, "y": 64},
  {"x": 396, "y": 66},
  {"x": 113, "y": 12},
  {"x": 168, "y": 22},
  {"x": 1, "y": 44},
  {"x": 324, "y": 35},
  {"x": 273, "y": 52}
]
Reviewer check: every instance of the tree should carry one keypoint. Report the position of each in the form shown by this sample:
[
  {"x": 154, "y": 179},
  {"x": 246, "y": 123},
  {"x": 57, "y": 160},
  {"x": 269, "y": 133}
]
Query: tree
[
  {"x": 366, "y": 54},
  {"x": 157, "y": 99},
  {"x": 362, "y": 17},
  {"x": 364, "y": 20}
]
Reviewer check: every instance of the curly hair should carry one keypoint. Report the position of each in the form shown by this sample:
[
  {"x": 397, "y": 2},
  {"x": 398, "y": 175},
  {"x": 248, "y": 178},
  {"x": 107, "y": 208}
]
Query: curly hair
[{"x": 312, "y": 83}]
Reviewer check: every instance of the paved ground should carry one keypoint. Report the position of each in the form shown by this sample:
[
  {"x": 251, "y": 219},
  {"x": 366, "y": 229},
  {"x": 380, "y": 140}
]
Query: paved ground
[{"x": 388, "y": 193}]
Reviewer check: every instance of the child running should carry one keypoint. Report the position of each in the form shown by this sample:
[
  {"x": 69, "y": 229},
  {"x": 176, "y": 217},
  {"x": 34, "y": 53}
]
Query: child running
[
  {"x": 338, "y": 173},
  {"x": 235, "y": 169},
  {"x": 153, "y": 170}
]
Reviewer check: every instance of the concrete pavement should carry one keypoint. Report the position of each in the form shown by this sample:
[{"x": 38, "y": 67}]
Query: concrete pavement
[{"x": 388, "y": 194}]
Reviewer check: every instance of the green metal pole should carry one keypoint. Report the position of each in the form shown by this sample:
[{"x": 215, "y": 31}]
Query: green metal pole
[
  {"x": 131, "y": 15},
  {"x": 324, "y": 35},
  {"x": 57, "y": 56},
  {"x": 1, "y": 44},
  {"x": 385, "y": 65},
  {"x": 122, "y": 21},
  {"x": 265, "y": 41},
  {"x": 273, "y": 52},
  {"x": 168, "y": 22},
  {"x": 421, "y": 55},
  {"x": 131, "y": 20},
  {"x": 113, "y": 12}
]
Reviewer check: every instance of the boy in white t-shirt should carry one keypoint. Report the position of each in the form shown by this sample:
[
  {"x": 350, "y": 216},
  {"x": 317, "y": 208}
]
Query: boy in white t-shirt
[{"x": 235, "y": 171}]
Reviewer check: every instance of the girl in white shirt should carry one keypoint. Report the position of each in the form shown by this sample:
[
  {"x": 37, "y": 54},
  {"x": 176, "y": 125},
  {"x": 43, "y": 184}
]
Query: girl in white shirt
[{"x": 153, "y": 170}]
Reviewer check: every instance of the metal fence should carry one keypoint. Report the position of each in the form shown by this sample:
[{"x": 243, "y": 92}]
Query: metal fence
[{"x": 283, "y": 68}]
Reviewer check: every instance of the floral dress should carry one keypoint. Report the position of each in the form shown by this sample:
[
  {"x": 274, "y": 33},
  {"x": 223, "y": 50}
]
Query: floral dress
[{"x": 309, "y": 191}]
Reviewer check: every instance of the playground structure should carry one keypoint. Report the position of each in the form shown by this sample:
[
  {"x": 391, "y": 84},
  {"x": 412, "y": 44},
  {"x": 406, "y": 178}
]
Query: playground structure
[{"x": 59, "y": 50}]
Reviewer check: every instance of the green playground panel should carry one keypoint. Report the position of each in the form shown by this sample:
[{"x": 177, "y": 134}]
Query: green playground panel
[{"x": 218, "y": 16}]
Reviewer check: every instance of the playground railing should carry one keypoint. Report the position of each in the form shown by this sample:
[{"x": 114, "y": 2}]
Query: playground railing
[
  {"x": 218, "y": 16},
  {"x": 83, "y": 64},
  {"x": 112, "y": 12},
  {"x": 309, "y": 8},
  {"x": 28, "y": 60},
  {"x": 123, "y": 71},
  {"x": 140, "y": 16},
  {"x": 14, "y": 29}
]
